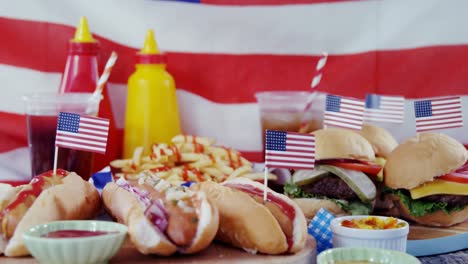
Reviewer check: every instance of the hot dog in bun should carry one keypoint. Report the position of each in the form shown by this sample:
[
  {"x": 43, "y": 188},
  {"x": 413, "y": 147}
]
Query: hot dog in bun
[
  {"x": 343, "y": 178},
  {"x": 428, "y": 177},
  {"x": 276, "y": 227},
  {"x": 48, "y": 197},
  {"x": 162, "y": 218}
]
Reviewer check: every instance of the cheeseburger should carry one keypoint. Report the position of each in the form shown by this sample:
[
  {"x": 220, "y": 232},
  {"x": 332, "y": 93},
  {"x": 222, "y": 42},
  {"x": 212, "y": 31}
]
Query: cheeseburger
[
  {"x": 343, "y": 178},
  {"x": 383, "y": 143},
  {"x": 427, "y": 180}
]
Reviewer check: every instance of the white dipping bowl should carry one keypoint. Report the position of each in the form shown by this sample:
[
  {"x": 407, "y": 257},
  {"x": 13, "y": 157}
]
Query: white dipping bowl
[{"x": 393, "y": 239}]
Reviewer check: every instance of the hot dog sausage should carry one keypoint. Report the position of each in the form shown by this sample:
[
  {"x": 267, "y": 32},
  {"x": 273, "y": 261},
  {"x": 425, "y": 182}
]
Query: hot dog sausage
[{"x": 181, "y": 215}]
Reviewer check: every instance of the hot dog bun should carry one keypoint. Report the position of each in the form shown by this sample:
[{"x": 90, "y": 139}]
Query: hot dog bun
[
  {"x": 7, "y": 193},
  {"x": 124, "y": 207},
  {"x": 124, "y": 204},
  {"x": 73, "y": 199},
  {"x": 246, "y": 223}
]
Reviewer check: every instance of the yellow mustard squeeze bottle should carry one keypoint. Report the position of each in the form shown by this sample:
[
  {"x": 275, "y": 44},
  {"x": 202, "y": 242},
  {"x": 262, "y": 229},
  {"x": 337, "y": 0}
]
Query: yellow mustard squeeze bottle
[{"x": 152, "y": 114}]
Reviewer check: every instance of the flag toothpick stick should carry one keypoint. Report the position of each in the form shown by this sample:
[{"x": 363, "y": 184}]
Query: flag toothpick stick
[
  {"x": 265, "y": 183},
  {"x": 55, "y": 160}
]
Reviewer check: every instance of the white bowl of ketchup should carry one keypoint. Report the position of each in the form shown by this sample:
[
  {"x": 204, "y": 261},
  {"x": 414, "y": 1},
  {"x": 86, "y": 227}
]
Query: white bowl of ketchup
[{"x": 75, "y": 242}]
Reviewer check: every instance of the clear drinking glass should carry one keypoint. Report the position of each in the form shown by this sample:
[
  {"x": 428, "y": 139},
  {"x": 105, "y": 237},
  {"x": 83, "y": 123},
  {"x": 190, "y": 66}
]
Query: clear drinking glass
[
  {"x": 42, "y": 110},
  {"x": 281, "y": 110}
]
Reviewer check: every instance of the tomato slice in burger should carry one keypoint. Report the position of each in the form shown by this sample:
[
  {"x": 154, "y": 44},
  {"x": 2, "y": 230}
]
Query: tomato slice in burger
[
  {"x": 366, "y": 168},
  {"x": 358, "y": 165},
  {"x": 455, "y": 177}
]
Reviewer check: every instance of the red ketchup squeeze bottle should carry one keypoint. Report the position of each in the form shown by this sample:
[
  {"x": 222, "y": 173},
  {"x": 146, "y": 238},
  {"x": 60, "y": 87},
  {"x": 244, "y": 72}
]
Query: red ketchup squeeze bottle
[
  {"x": 81, "y": 76},
  {"x": 81, "y": 69}
]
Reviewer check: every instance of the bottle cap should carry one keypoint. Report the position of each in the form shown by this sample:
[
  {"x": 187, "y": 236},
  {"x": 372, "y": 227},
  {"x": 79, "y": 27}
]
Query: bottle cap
[
  {"x": 82, "y": 33},
  {"x": 150, "y": 54}
]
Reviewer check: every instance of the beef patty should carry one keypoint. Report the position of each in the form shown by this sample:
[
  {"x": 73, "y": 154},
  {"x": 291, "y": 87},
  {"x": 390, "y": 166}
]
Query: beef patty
[
  {"x": 332, "y": 187},
  {"x": 451, "y": 200}
]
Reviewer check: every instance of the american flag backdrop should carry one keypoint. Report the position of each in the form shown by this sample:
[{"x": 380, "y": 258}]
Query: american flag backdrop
[
  {"x": 221, "y": 52},
  {"x": 437, "y": 114},
  {"x": 82, "y": 132}
]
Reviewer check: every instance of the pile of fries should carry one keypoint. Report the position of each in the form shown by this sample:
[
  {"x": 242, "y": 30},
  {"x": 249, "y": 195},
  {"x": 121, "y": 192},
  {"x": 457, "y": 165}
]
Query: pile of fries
[{"x": 188, "y": 158}]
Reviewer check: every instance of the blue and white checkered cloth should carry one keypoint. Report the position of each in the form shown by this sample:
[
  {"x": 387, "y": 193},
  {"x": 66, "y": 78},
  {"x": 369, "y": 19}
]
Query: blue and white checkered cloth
[{"x": 319, "y": 228}]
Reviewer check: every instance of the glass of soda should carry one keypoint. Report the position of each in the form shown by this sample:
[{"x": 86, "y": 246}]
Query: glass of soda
[
  {"x": 42, "y": 110},
  {"x": 281, "y": 110}
]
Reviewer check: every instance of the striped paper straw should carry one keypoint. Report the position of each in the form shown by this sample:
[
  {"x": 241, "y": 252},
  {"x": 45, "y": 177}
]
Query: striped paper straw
[
  {"x": 105, "y": 74},
  {"x": 315, "y": 82},
  {"x": 319, "y": 70}
]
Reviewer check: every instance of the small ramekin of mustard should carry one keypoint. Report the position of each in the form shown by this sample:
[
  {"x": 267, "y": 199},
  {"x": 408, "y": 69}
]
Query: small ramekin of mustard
[{"x": 370, "y": 231}]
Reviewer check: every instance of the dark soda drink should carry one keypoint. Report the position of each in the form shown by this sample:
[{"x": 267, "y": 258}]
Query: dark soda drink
[{"x": 41, "y": 138}]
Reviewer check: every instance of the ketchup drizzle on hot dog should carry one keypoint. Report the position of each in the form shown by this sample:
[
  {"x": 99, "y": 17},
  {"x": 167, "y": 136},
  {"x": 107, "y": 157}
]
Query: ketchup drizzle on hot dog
[
  {"x": 285, "y": 207},
  {"x": 36, "y": 187}
]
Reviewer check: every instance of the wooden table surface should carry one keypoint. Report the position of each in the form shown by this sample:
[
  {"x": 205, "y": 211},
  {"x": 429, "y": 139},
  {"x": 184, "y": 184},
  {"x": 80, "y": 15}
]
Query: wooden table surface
[{"x": 216, "y": 253}]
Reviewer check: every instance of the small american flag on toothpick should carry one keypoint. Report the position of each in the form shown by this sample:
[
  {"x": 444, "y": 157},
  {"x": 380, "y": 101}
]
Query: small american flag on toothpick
[
  {"x": 82, "y": 132},
  {"x": 442, "y": 113},
  {"x": 343, "y": 112},
  {"x": 289, "y": 150},
  {"x": 380, "y": 108}
]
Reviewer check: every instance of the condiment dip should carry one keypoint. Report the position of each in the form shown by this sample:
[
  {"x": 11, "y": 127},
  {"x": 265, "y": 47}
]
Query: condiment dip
[
  {"x": 373, "y": 222},
  {"x": 75, "y": 233}
]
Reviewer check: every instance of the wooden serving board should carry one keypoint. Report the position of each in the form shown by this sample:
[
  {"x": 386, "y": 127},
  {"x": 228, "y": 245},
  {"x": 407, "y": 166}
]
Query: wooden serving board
[
  {"x": 424, "y": 240},
  {"x": 216, "y": 253}
]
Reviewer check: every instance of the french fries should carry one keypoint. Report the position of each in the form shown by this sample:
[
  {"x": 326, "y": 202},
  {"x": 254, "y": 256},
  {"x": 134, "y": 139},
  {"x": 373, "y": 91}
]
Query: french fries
[{"x": 188, "y": 158}]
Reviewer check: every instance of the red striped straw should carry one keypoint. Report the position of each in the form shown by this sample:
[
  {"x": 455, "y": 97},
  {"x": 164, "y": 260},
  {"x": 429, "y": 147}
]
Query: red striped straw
[
  {"x": 315, "y": 82},
  {"x": 105, "y": 74}
]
